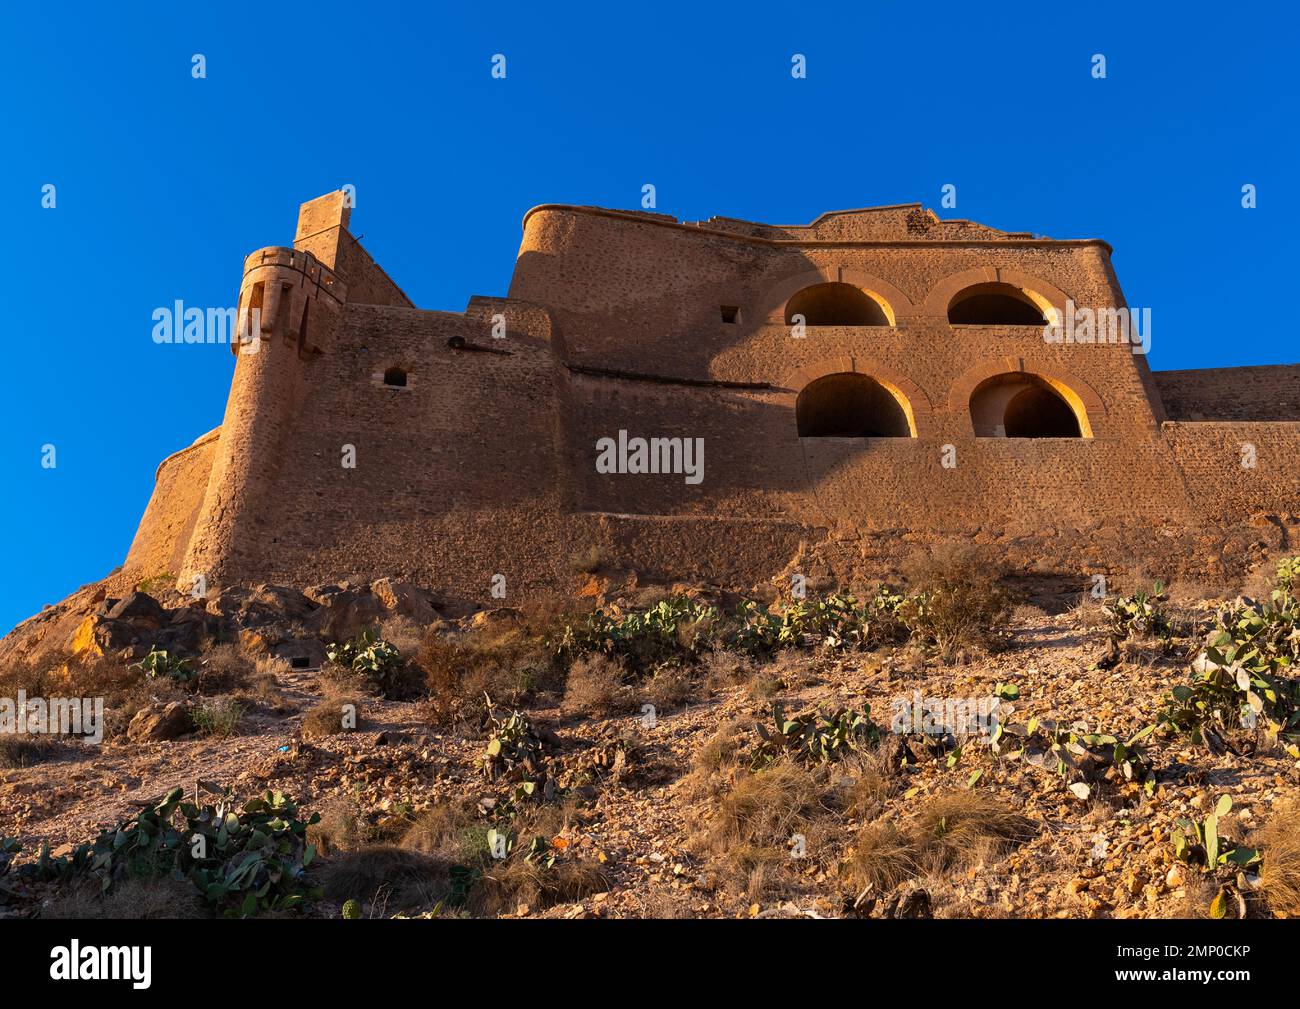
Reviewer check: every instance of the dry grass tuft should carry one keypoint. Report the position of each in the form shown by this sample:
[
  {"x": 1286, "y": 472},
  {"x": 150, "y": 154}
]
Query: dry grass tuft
[
  {"x": 506, "y": 663},
  {"x": 753, "y": 825},
  {"x": 668, "y": 688},
  {"x": 505, "y": 886},
  {"x": 717, "y": 759},
  {"x": 595, "y": 688},
  {"x": 403, "y": 634},
  {"x": 447, "y": 830},
  {"x": 1279, "y": 840},
  {"x": 262, "y": 688},
  {"x": 328, "y": 717},
  {"x": 724, "y": 669},
  {"x": 27, "y": 751},
  {"x": 388, "y": 876},
  {"x": 341, "y": 827},
  {"x": 131, "y": 899},
  {"x": 966, "y": 603},
  {"x": 954, "y": 831},
  {"x": 224, "y": 669}
]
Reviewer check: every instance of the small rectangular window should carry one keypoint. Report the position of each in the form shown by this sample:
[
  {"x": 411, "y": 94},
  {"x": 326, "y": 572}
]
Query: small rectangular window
[{"x": 730, "y": 313}]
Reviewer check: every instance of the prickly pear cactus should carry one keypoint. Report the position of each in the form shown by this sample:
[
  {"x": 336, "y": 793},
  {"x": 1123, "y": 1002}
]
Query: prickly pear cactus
[{"x": 351, "y": 909}]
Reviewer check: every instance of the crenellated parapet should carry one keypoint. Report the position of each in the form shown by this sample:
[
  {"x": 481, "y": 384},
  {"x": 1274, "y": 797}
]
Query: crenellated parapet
[{"x": 293, "y": 297}]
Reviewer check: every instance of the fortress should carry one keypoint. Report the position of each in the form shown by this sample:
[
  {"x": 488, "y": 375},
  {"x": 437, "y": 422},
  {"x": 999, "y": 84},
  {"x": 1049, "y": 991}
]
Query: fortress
[{"x": 857, "y": 386}]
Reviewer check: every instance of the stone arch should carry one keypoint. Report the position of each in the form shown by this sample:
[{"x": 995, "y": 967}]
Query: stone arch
[
  {"x": 1046, "y": 297},
  {"x": 834, "y": 303},
  {"x": 996, "y": 305},
  {"x": 849, "y": 404},
  {"x": 893, "y": 302},
  {"x": 911, "y": 399},
  {"x": 1009, "y": 381}
]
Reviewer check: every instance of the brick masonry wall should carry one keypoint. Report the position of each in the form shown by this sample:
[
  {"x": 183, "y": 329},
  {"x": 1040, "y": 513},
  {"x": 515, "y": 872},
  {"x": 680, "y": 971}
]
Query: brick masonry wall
[
  {"x": 168, "y": 521},
  {"x": 484, "y": 462},
  {"x": 1255, "y": 393},
  {"x": 1211, "y": 456}
]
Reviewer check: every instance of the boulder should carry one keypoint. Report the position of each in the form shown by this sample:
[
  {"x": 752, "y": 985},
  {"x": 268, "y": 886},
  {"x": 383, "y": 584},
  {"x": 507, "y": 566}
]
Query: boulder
[
  {"x": 160, "y": 722},
  {"x": 342, "y": 611},
  {"x": 275, "y": 603},
  {"x": 139, "y": 608},
  {"x": 260, "y": 605},
  {"x": 404, "y": 599},
  {"x": 98, "y": 635},
  {"x": 495, "y": 617}
]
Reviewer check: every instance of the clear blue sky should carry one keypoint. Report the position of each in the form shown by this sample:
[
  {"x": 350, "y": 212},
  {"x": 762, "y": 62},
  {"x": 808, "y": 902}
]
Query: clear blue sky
[{"x": 165, "y": 182}]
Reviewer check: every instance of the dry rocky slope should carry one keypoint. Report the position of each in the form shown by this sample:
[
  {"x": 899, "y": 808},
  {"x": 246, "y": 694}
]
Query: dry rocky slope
[{"x": 654, "y": 793}]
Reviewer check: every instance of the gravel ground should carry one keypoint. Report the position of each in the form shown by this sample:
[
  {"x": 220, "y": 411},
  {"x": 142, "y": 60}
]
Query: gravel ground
[{"x": 1107, "y": 856}]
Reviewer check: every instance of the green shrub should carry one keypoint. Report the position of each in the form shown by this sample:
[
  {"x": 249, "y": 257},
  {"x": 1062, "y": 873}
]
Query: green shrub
[
  {"x": 376, "y": 663},
  {"x": 157, "y": 584},
  {"x": 158, "y": 664},
  {"x": 815, "y": 737},
  {"x": 217, "y": 717},
  {"x": 242, "y": 862},
  {"x": 673, "y": 629},
  {"x": 1288, "y": 575},
  {"x": 1139, "y": 615},
  {"x": 513, "y": 748}
]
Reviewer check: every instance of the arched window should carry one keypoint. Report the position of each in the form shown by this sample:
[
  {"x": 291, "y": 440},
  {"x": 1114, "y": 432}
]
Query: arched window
[
  {"x": 849, "y": 405},
  {"x": 395, "y": 376},
  {"x": 1019, "y": 405},
  {"x": 995, "y": 305},
  {"x": 835, "y": 304}
]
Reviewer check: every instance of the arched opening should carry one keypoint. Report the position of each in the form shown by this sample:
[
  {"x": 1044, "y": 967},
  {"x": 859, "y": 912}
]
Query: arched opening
[
  {"x": 849, "y": 405},
  {"x": 395, "y": 376},
  {"x": 1019, "y": 405},
  {"x": 302, "y": 327},
  {"x": 835, "y": 304},
  {"x": 995, "y": 305}
]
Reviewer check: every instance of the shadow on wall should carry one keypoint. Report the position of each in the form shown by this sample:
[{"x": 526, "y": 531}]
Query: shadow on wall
[{"x": 723, "y": 313}]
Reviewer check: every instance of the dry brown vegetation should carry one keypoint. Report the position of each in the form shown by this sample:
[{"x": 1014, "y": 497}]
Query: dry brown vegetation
[
  {"x": 681, "y": 817},
  {"x": 386, "y": 875},
  {"x": 27, "y": 751},
  {"x": 330, "y": 716},
  {"x": 1280, "y": 841},
  {"x": 953, "y": 831},
  {"x": 595, "y": 687},
  {"x": 462, "y": 671},
  {"x": 966, "y": 601},
  {"x": 132, "y": 899},
  {"x": 516, "y": 883}
]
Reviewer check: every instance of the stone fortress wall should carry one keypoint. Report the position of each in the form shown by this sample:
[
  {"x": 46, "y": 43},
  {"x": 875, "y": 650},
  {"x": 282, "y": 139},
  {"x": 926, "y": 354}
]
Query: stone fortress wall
[{"x": 918, "y": 402}]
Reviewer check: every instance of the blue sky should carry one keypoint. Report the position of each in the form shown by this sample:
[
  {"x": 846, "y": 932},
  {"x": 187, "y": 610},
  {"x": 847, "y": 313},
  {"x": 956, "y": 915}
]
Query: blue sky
[{"x": 165, "y": 182}]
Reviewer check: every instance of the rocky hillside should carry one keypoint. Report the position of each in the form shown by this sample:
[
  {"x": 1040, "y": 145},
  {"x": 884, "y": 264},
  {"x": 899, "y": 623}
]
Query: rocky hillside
[{"x": 963, "y": 748}]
